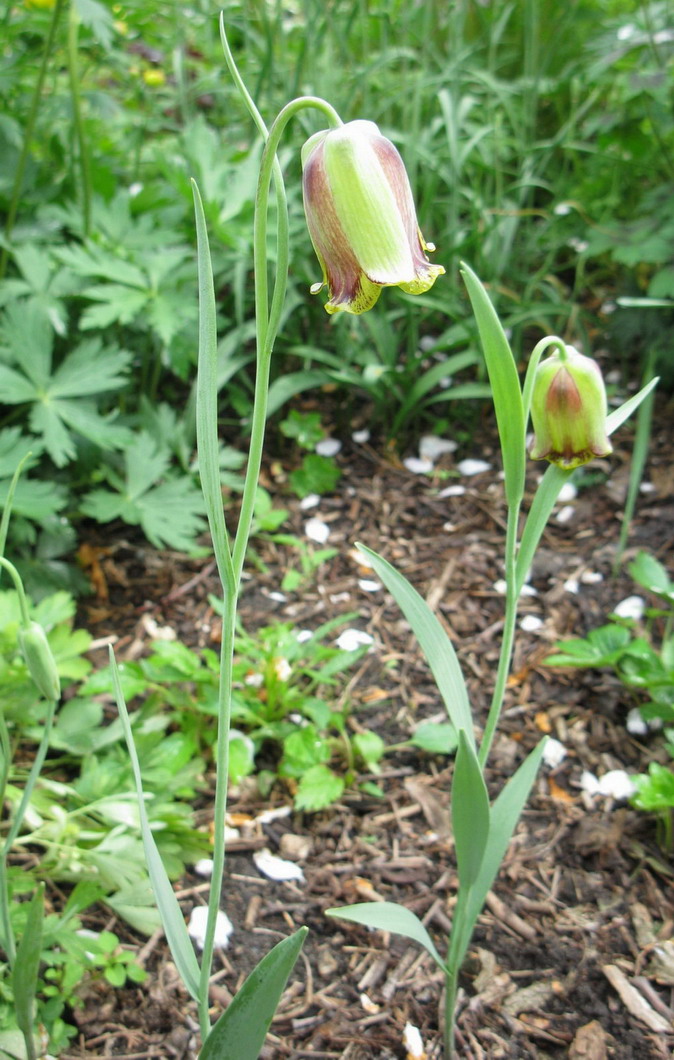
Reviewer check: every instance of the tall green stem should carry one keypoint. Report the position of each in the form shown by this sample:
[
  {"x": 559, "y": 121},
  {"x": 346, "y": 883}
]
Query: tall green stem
[
  {"x": 36, "y": 768},
  {"x": 451, "y": 984},
  {"x": 28, "y": 135},
  {"x": 267, "y": 319},
  {"x": 220, "y": 801},
  {"x": 508, "y": 637},
  {"x": 230, "y": 561},
  {"x": 83, "y": 153}
]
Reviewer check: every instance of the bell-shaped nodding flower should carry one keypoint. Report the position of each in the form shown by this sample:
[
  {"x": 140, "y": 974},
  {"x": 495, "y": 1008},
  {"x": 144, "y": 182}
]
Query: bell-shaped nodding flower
[
  {"x": 568, "y": 410},
  {"x": 361, "y": 218}
]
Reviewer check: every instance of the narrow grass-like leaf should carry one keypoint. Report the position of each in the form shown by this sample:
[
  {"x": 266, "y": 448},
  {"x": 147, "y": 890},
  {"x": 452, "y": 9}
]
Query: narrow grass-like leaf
[
  {"x": 240, "y": 1032},
  {"x": 616, "y": 418},
  {"x": 25, "y": 970},
  {"x": 389, "y": 916},
  {"x": 177, "y": 937},
  {"x": 470, "y": 813},
  {"x": 434, "y": 642},
  {"x": 544, "y": 501},
  {"x": 505, "y": 386},
  {"x": 7, "y": 510},
  {"x": 504, "y": 815},
  {"x": 642, "y": 437},
  {"x": 207, "y": 397}
]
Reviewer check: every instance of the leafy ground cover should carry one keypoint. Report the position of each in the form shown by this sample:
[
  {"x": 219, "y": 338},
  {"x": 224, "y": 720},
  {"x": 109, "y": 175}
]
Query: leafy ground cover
[{"x": 583, "y": 903}]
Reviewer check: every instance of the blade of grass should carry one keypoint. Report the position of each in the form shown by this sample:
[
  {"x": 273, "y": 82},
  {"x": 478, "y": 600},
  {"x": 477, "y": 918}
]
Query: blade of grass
[{"x": 175, "y": 930}]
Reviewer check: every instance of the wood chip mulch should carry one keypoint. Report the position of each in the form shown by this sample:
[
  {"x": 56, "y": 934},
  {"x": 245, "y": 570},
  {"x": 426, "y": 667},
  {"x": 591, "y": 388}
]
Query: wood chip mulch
[{"x": 573, "y": 955}]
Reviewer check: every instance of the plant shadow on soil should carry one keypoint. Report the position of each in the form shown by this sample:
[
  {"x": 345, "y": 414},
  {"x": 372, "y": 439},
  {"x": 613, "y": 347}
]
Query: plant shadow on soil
[{"x": 582, "y": 873}]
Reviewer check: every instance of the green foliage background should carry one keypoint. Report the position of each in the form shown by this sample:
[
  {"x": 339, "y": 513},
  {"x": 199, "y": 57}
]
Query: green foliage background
[{"x": 540, "y": 143}]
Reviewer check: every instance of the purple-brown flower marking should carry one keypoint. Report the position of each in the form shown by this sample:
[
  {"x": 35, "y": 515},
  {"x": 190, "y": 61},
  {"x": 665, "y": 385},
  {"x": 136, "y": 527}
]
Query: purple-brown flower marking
[
  {"x": 568, "y": 410},
  {"x": 361, "y": 218}
]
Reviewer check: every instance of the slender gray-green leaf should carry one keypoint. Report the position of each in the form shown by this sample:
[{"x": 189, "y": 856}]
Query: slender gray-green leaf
[
  {"x": 544, "y": 501},
  {"x": 505, "y": 386},
  {"x": 470, "y": 813},
  {"x": 616, "y": 418},
  {"x": 240, "y": 1032},
  {"x": 434, "y": 642},
  {"x": 505, "y": 813},
  {"x": 388, "y": 916},
  {"x": 26, "y": 967},
  {"x": 208, "y": 445},
  {"x": 7, "y": 510},
  {"x": 177, "y": 937}
]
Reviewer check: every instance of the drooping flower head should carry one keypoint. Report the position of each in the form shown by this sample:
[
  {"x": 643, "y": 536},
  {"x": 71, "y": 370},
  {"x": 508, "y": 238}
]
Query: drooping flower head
[
  {"x": 568, "y": 410},
  {"x": 361, "y": 218}
]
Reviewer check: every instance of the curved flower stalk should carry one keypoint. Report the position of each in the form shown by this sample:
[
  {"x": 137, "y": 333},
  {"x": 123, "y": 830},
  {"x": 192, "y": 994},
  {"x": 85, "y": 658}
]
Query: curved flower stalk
[{"x": 361, "y": 218}]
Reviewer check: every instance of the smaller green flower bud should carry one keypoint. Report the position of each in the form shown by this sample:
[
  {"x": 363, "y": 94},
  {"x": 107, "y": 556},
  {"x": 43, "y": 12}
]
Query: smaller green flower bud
[
  {"x": 568, "y": 410},
  {"x": 40, "y": 660}
]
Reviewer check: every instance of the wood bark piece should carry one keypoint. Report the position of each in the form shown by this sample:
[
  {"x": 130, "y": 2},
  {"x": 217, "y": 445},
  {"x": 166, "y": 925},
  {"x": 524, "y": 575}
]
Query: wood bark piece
[{"x": 633, "y": 1000}]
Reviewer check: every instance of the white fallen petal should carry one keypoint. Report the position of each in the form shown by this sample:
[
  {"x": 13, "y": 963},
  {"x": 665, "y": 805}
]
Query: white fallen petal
[
  {"x": 554, "y": 753},
  {"x": 361, "y": 437},
  {"x": 339, "y": 598},
  {"x": 368, "y": 1005},
  {"x": 310, "y": 501},
  {"x": 361, "y": 558},
  {"x": 196, "y": 927},
  {"x": 617, "y": 784},
  {"x": 276, "y": 868},
  {"x": 316, "y": 530},
  {"x": 279, "y": 598},
  {"x": 565, "y": 514},
  {"x": 452, "y": 491},
  {"x": 303, "y": 635},
  {"x": 417, "y": 465},
  {"x": 274, "y": 814},
  {"x": 568, "y": 492},
  {"x": 591, "y": 577},
  {"x": 589, "y": 783},
  {"x": 647, "y": 487},
  {"x": 572, "y": 585},
  {"x": 472, "y": 467},
  {"x": 635, "y": 723},
  {"x": 369, "y": 586},
  {"x": 431, "y": 447},
  {"x": 204, "y": 867},
  {"x": 631, "y": 607},
  {"x": 352, "y": 639},
  {"x": 328, "y": 446},
  {"x": 413, "y": 1043},
  {"x": 531, "y": 623}
]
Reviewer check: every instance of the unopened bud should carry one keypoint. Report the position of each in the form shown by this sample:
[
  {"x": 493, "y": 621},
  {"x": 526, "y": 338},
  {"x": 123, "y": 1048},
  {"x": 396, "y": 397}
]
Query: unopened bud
[
  {"x": 40, "y": 660},
  {"x": 568, "y": 410}
]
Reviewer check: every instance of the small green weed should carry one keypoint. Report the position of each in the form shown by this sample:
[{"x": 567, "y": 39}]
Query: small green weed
[{"x": 644, "y": 663}]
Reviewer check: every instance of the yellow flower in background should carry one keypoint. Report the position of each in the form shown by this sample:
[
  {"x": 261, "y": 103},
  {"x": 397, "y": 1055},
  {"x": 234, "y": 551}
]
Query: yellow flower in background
[
  {"x": 361, "y": 218},
  {"x": 154, "y": 78}
]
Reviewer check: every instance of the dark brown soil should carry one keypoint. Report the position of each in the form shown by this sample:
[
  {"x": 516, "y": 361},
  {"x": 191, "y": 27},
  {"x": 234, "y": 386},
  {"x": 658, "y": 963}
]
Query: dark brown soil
[{"x": 564, "y": 959}]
